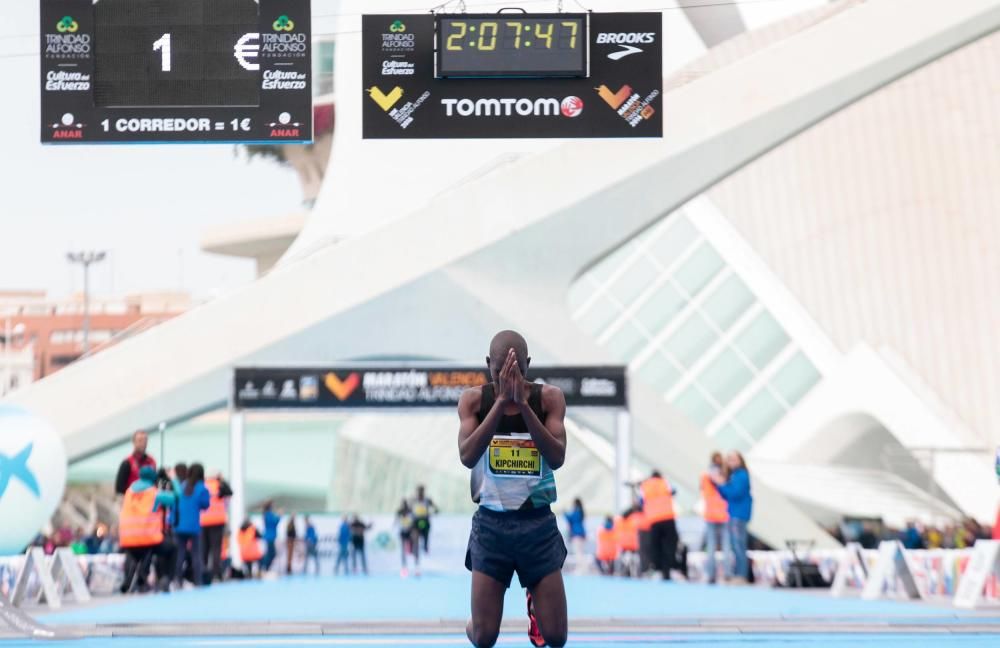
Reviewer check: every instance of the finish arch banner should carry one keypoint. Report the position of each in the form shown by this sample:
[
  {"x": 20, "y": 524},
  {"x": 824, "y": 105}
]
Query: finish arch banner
[
  {"x": 512, "y": 75},
  {"x": 406, "y": 386}
]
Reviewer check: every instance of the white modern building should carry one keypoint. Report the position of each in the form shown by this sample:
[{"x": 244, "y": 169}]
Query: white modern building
[{"x": 804, "y": 268}]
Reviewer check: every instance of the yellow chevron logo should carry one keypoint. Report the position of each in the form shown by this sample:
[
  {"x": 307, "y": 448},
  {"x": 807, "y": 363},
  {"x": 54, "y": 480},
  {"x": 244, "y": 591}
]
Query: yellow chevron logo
[{"x": 385, "y": 101}]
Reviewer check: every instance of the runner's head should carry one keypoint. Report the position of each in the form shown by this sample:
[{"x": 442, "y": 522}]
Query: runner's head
[
  {"x": 500, "y": 346},
  {"x": 716, "y": 459},
  {"x": 420, "y": 492}
]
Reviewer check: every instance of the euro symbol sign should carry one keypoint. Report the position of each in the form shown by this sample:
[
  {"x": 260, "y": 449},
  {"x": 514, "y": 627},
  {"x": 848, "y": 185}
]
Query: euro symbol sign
[{"x": 244, "y": 50}]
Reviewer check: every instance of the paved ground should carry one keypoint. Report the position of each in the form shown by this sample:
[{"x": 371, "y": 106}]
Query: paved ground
[{"x": 387, "y": 611}]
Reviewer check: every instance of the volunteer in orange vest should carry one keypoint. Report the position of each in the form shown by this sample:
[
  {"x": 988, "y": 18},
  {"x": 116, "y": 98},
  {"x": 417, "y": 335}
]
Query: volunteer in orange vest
[
  {"x": 140, "y": 531},
  {"x": 250, "y": 551},
  {"x": 607, "y": 547},
  {"x": 716, "y": 515},
  {"x": 658, "y": 511},
  {"x": 213, "y": 526}
]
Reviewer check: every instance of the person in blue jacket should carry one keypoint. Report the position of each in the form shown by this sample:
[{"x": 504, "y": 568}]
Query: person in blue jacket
[
  {"x": 343, "y": 545},
  {"x": 577, "y": 533},
  {"x": 191, "y": 501},
  {"x": 271, "y": 522},
  {"x": 736, "y": 491}
]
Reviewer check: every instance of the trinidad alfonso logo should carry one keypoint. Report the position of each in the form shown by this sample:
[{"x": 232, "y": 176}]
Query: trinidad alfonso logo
[
  {"x": 397, "y": 27},
  {"x": 283, "y": 23},
  {"x": 67, "y": 25},
  {"x": 17, "y": 467}
]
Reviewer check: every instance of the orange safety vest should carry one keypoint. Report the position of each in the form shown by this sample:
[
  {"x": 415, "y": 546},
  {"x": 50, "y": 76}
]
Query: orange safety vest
[
  {"x": 138, "y": 525},
  {"x": 657, "y": 501},
  {"x": 716, "y": 509},
  {"x": 215, "y": 514},
  {"x": 633, "y": 524},
  {"x": 250, "y": 550},
  {"x": 607, "y": 549}
]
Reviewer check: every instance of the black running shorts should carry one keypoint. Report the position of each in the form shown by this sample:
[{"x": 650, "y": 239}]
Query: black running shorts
[{"x": 527, "y": 542}]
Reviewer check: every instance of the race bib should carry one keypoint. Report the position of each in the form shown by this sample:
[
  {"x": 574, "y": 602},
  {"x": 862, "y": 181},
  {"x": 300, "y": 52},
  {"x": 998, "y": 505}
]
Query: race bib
[{"x": 513, "y": 457}]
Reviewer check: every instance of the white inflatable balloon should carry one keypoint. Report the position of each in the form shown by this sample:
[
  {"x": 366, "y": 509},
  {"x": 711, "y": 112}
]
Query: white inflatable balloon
[{"x": 32, "y": 476}]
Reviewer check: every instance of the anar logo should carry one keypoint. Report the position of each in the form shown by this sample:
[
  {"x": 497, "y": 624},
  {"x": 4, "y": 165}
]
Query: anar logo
[
  {"x": 285, "y": 127},
  {"x": 342, "y": 389},
  {"x": 283, "y": 23},
  {"x": 67, "y": 128},
  {"x": 385, "y": 101}
]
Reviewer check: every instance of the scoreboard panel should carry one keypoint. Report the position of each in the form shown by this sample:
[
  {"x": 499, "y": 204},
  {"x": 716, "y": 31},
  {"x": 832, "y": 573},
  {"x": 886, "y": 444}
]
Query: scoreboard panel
[
  {"x": 132, "y": 71},
  {"x": 510, "y": 75}
]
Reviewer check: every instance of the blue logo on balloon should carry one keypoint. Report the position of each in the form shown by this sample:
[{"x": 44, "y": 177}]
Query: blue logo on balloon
[{"x": 17, "y": 466}]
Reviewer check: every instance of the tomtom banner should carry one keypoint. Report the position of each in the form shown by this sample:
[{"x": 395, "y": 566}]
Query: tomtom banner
[
  {"x": 402, "y": 99},
  {"x": 407, "y": 386}
]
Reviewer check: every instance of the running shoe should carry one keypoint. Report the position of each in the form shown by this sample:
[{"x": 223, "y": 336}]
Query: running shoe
[{"x": 534, "y": 634}]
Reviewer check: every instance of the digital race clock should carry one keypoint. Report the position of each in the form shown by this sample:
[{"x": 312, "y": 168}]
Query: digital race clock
[{"x": 512, "y": 45}]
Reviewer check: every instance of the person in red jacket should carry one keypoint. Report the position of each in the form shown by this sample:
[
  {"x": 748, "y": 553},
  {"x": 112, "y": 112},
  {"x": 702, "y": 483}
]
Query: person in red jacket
[{"x": 128, "y": 471}]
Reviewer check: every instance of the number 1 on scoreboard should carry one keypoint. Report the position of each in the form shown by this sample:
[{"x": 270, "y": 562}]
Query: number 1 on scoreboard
[{"x": 163, "y": 44}]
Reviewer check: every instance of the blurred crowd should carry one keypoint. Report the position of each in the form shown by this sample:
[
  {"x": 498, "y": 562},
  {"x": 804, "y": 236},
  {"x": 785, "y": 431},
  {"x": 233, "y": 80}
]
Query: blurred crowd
[{"x": 916, "y": 535}]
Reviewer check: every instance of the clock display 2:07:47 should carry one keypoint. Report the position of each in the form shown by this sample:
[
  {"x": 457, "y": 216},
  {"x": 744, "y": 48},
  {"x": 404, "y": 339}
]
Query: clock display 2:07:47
[{"x": 490, "y": 35}]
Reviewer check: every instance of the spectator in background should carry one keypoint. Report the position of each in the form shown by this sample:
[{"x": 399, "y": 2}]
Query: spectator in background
[
  {"x": 312, "y": 546},
  {"x": 996, "y": 526},
  {"x": 128, "y": 471},
  {"x": 271, "y": 522},
  {"x": 213, "y": 526},
  {"x": 911, "y": 537},
  {"x": 141, "y": 531},
  {"x": 79, "y": 544},
  {"x": 716, "y": 515},
  {"x": 658, "y": 512},
  {"x": 343, "y": 545},
  {"x": 577, "y": 533},
  {"x": 607, "y": 547},
  {"x": 358, "y": 529},
  {"x": 250, "y": 552},
  {"x": 291, "y": 538},
  {"x": 739, "y": 503},
  {"x": 192, "y": 500}
]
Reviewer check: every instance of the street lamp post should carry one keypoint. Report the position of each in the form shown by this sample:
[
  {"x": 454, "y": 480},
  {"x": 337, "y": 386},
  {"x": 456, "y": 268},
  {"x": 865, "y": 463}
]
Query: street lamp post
[
  {"x": 86, "y": 259},
  {"x": 8, "y": 335}
]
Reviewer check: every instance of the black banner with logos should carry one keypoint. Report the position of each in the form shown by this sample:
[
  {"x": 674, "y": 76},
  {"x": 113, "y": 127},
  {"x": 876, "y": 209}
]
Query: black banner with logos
[
  {"x": 403, "y": 99},
  {"x": 130, "y": 71},
  {"x": 407, "y": 386}
]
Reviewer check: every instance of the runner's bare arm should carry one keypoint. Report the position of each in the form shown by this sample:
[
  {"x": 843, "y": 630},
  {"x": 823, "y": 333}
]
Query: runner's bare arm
[
  {"x": 474, "y": 437},
  {"x": 550, "y": 435}
]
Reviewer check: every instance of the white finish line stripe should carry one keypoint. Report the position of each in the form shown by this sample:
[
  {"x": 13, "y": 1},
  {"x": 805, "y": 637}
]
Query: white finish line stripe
[{"x": 424, "y": 641}]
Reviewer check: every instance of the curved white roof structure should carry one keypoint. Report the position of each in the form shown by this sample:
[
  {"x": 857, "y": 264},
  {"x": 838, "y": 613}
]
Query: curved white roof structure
[{"x": 411, "y": 252}]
